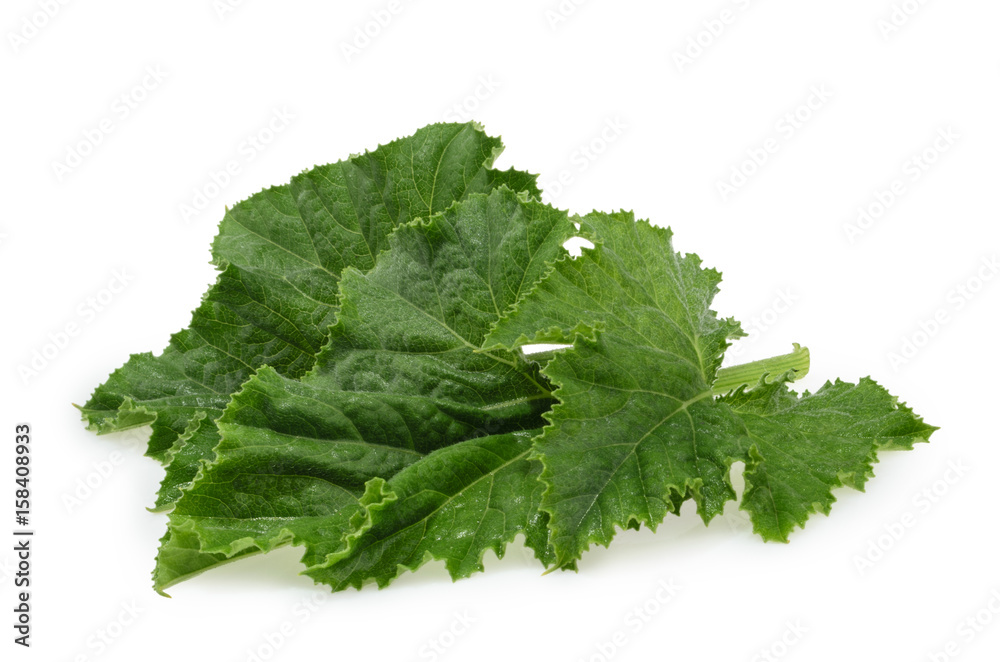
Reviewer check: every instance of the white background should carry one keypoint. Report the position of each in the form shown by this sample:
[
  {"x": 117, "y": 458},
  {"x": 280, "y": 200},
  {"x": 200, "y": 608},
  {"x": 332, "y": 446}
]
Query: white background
[{"x": 553, "y": 88}]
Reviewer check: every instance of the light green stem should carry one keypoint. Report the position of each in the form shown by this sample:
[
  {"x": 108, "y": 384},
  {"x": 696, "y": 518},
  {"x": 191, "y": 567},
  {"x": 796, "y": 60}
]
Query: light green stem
[
  {"x": 733, "y": 377},
  {"x": 748, "y": 374}
]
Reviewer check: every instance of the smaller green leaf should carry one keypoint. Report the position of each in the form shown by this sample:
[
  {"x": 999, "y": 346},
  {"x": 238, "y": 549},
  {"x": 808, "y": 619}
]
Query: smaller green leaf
[{"x": 799, "y": 448}]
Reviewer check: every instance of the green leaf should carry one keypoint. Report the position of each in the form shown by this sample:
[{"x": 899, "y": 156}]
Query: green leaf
[
  {"x": 281, "y": 253},
  {"x": 635, "y": 391},
  {"x": 291, "y": 467},
  {"x": 637, "y": 428},
  {"x": 451, "y": 506},
  {"x": 401, "y": 377},
  {"x": 797, "y": 449},
  {"x": 355, "y": 384},
  {"x": 181, "y": 558}
]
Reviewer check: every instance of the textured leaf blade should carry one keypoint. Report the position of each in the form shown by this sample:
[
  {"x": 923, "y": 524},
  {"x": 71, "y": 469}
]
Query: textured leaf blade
[
  {"x": 637, "y": 429},
  {"x": 798, "y": 448},
  {"x": 629, "y": 435},
  {"x": 451, "y": 506},
  {"x": 281, "y": 253},
  {"x": 353, "y": 382},
  {"x": 400, "y": 377},
  {"x": 291, "y": 468}
]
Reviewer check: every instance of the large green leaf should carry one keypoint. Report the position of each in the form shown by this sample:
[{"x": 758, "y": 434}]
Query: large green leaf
[
  {"x": 401, "y": 377},
  {"x": 281, "y": 253},
  {"x": 637, "y": 428}
]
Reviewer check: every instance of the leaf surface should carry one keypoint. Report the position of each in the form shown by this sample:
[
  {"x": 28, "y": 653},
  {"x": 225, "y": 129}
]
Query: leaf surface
[
  {"x": 798, "y": 448},
  {"x": 452, "y": 506},
  {"x": 300, "y": 461},
  {"x": 355, "y": 382},
  {"x": 281, "y": 253},
  {"x": 637, "y": 429}
]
